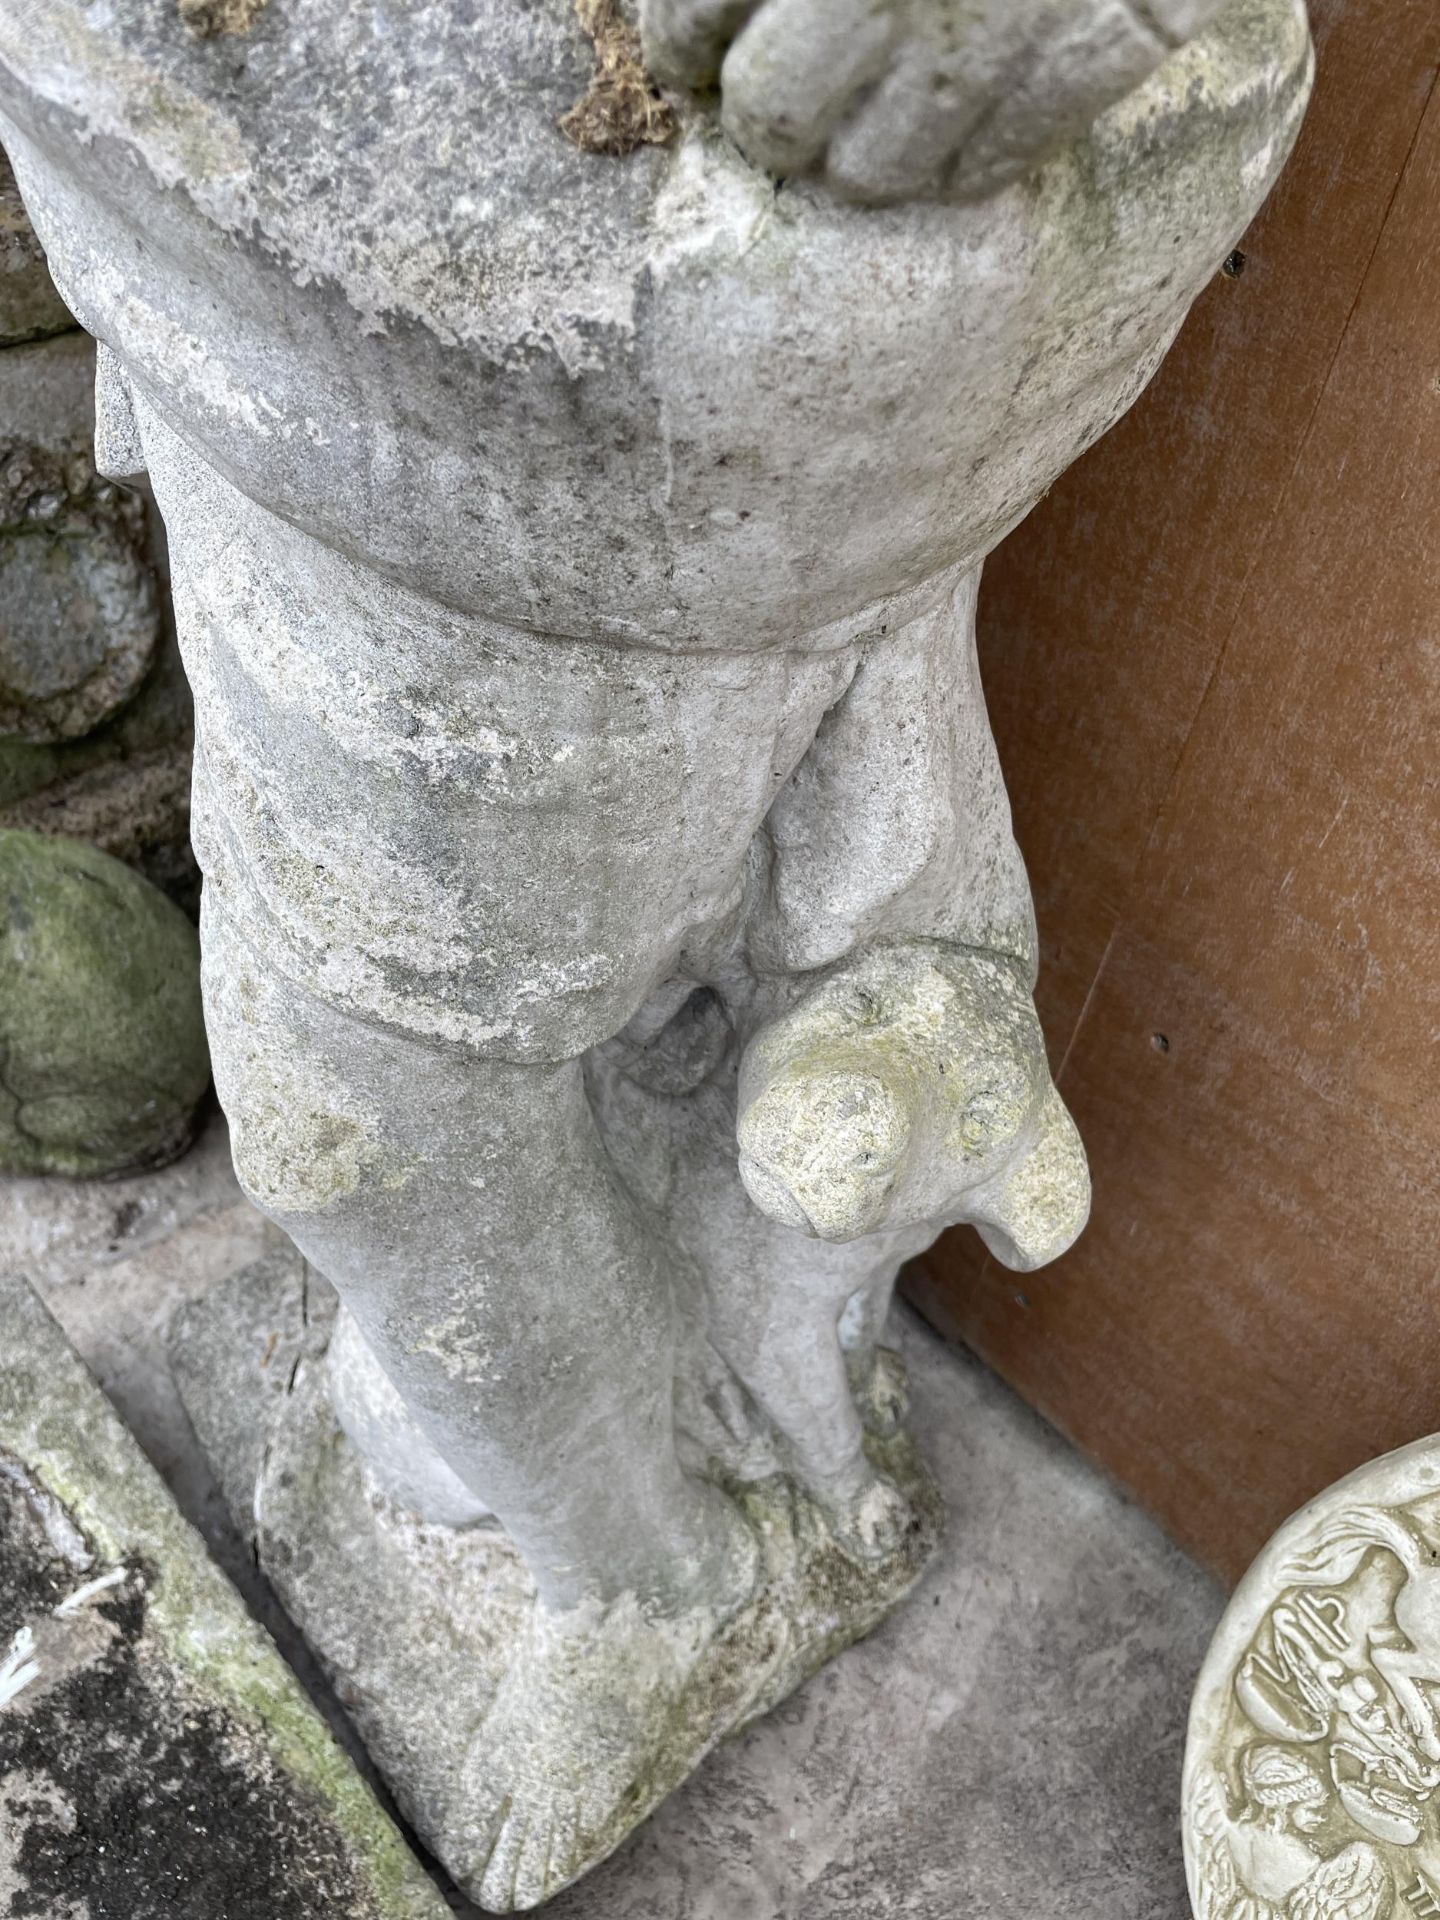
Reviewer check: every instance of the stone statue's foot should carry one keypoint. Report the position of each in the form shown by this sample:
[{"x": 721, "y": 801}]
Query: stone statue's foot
[
  {"x": 911, "y": 1086},
  {"x": 868, "y": 1514},
  {"x": 599, "y": 1715}
]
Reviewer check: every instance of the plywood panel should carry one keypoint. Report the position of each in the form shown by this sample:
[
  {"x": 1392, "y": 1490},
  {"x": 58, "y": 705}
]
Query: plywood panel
[
  {"x": 1102, "y": 619},
  {"x": 1247, "y": 1320},
  {"x": 1227, "y": 792}
]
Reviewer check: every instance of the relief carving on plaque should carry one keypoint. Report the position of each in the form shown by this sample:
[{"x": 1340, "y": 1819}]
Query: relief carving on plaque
[{"x": 1315, "y": 1796}]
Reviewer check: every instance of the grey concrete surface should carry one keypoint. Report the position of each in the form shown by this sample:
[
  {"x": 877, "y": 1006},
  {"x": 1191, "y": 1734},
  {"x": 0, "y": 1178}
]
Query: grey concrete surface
[
  {"x": 113, "y": 1259},
  {"x": 1008, "y": 1746}
]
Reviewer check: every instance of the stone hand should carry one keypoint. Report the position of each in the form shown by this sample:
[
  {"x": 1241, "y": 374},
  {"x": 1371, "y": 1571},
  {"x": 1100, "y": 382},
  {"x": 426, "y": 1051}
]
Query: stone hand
[
  {"x": 911, "y": 1085},
  {"x": 892, "y": 99}
]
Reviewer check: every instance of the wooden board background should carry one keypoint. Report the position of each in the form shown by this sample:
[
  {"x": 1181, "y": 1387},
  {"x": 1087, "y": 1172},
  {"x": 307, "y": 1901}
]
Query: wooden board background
[{"x": 1213, "y": 662}]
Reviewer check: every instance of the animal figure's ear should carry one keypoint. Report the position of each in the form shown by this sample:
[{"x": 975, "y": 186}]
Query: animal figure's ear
[{"x": 1037, "y": 1208}]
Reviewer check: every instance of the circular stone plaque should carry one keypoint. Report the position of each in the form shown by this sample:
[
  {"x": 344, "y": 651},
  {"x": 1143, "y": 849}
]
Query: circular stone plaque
[{"x": 1312, "y": 1770}]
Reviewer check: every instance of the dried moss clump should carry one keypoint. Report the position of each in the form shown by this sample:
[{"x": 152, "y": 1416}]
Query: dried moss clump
[
  {"x": 209, "y": 17},
  {"x": 623, "y": 108}
]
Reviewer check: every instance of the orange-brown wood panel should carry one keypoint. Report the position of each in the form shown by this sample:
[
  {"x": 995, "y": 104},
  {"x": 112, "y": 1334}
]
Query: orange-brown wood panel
[
  {"x": 1213, "y": 658},
  {"x": 1103, "y": 617}
]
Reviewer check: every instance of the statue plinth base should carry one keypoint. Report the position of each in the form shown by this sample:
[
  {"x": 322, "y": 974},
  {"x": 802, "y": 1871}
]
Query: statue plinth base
[{"x": 417, "y": 1624}]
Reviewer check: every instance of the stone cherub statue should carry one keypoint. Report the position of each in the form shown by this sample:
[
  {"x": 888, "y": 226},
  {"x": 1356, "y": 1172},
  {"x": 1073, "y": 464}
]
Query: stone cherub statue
[{"x": 617, "y": 956}]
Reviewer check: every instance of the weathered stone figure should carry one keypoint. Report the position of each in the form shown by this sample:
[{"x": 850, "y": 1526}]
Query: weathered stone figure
[{"x": 576, "y": 557}]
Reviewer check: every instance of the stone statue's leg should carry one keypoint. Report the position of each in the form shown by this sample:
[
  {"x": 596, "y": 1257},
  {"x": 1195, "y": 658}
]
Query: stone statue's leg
[
  {"x": 774, "y": 1301},
  {"x": 907, "y": 1082},
  {"x": 519, "y": 1300},
  {"x": 459, "y": 856},
  {"x": 444, "y": 860},
  {"x": 896, "y": 825},
  {"x": 512, "y": 1290}
]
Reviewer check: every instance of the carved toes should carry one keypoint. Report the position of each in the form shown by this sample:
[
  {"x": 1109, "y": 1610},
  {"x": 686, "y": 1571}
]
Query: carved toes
[
  {"x": 533, "y": 1856},
  {"x": 881, "y": 1389},
  {"x": 871, "y": 1523},
  {"x": 896, "y": 98},
  {"x": 794, "y": 73}
]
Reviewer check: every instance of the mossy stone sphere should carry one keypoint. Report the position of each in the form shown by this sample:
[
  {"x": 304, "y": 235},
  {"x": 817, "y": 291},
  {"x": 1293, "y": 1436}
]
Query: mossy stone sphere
[{"x": 103, "y": 1061}]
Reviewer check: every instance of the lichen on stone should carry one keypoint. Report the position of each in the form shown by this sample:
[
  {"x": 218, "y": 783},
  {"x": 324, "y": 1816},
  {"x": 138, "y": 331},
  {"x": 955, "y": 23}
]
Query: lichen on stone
[
  {"x": 30, "y": 308},
  {"x": 622, "y": 108},
  {"x": 79, "y": 609},
  {"x": 182, "y": 1770},
  {"x": 103, "y": 1060}
]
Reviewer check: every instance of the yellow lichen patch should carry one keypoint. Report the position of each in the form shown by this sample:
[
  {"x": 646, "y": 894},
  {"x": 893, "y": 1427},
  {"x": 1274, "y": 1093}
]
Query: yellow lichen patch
[
  {"x": 291, "y": 1156},
  {"x": 304, "y": 1139},
  {"x": 622, "y": 108},
  {"x": 209, "y": 17}
]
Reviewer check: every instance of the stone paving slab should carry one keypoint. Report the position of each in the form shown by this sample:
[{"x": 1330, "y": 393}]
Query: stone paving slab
[
  {"x": 1007, "y": 1748},
  {"x": 1008, "y": 1745},
  {"x": 158, "y": 1759}
]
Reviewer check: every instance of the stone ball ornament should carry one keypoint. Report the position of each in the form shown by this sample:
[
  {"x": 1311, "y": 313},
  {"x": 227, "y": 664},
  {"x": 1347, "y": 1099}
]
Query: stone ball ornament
[
  {"x": 30, "y": 308},
  {"x": 79, "y": 604},
  {"x": 103, "y": 1061},
  {"x": 79, "y": 619},
  {"x": 579, "y": 430},
  {"x": 1312, "y": 1767}
]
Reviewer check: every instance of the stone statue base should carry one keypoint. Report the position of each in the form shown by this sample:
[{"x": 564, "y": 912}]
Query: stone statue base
[{"x": 417, "y": 1623}]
